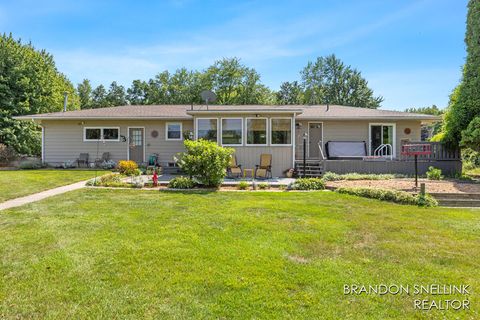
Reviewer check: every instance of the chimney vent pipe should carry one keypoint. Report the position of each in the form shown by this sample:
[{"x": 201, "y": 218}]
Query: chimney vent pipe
[{"x": 65, "y": 100}]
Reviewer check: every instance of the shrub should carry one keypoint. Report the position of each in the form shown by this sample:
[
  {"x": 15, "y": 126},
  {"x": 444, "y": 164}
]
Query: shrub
[
  {"x": 308, "y": 184},
  {"x": 30, "y": 164},
  {"x": 112, "y": 177},
  {"x": 242, "y": 185},
  {"x": 331, "y": 176},
  {"x": 69, "y": 164},
  {"x": 110, "y": 164},
  {"x": 426, "y": 200},
  {"x": 434, "y": 173},
  {"x": 107, "y": 180},
  {"x": 263, "y": 186},
  {"x": 396, "y": 196},
  {"x": 7, "y": 154},
  {"x": 128, "y": 168},
  {"x": 205, "y": 161},
  {"x": 181, "y": 183}
]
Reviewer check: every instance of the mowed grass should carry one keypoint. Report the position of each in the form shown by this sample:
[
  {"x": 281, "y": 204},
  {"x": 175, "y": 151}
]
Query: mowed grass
[
  {"x": 129, "y": 254},
  {"x": 19, "y": 183}
]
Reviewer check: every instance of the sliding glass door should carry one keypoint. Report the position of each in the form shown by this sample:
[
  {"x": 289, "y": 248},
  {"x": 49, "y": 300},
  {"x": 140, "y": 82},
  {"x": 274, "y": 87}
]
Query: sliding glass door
[{"x": 382, "y": 134}]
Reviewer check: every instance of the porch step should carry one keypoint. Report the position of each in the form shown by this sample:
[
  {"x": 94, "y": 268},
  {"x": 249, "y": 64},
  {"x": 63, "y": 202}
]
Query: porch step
[
  {"x": 457, "y": 199},
  {"x": 459, "y": 203},
  {"x": 313, "y": 168},
  {"x": 455, "y": 196}
]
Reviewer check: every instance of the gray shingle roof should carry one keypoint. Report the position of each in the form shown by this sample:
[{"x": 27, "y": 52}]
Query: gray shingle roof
[{"x": 319, "y": 112}]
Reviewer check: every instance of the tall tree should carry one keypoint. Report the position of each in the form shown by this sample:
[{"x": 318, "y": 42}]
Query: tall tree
[
  {"x": 235, "y": 83},
  {"x": 137, "y": 94},
  {"x": 99, "y": 97},
  {"x": 429, "y": 131},
  {"x": 433, "y": 110},
  {"x": 116, "y": 95},
  {"x": 464, "y": 104},
  {"x": 84, "y": 91},
  {"x": 29, "y": 83},
  {"x": 329, "y": 80},
  {"x": 290, "y": 93}
]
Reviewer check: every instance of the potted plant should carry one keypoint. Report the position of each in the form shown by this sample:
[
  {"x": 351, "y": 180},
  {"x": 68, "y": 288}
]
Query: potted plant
[{"x": 289, "y": 172}]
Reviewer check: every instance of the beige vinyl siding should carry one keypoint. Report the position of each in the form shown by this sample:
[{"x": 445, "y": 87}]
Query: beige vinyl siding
[
  {"x": 64, "y": 140},
  {"x": 282, "y": 158},
  {"x": 358, "y": 131}
]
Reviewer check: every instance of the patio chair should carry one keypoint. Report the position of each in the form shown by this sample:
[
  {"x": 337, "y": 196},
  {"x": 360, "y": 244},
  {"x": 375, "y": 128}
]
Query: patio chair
[
  {"x": 105, "y": 157},
  {"x": 153, "y": 163},
  {"x": 264, "y": 169},
  {"x": 83, "y": 158},
  {"x": 234, "y": 170}
]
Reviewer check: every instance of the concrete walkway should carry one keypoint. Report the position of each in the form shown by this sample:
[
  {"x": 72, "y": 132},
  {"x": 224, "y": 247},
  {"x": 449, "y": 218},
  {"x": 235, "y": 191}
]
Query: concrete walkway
[{"x": 41, "y": 195}]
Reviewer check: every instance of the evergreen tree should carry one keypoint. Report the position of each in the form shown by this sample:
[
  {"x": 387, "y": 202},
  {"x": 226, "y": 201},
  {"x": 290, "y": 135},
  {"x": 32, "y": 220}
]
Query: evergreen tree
[
  {"x": 84, "y": 91},
  {"x": 290, "y": 93},
  {"x": 464, "y": 103},
  {"x": 99, "y": 97},
  {"x": 137, "y": 94},
  {"x": 116, "y": 95}
]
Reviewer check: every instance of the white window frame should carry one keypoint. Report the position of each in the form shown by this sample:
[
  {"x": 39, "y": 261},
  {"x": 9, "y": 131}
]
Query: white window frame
[
  {"x": 166, "y": 131},
  {"x": 221, "y": 131},
  {"x": 101, "y": 134},
  {"x": 394, "y": 146},
  {"x": 196, "y": 127},
  {"x": 291, "y": 131},
  {"x": 266, "y": 132}
]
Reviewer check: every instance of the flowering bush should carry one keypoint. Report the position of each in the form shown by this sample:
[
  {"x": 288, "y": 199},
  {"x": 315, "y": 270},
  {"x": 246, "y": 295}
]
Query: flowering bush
[{"x": 128, "y": 168}]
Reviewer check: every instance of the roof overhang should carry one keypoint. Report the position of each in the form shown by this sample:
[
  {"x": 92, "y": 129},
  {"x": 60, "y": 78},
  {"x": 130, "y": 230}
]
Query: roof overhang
[
  {"x": 35, "y": 118},
  {"x": 245, "y": 111},
  {"x": 383, "y": 118}
]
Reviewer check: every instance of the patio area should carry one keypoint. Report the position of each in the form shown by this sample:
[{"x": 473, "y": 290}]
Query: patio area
[{"x": 164, "y": 179}]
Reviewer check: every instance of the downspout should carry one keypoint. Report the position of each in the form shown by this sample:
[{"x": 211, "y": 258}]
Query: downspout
[
  {"x": 43, "y": 144},
  {"x": 294, "y": 136}
]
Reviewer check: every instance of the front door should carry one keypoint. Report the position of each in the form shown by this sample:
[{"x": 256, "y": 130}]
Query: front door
[
  {"x": 314, "y": 138},
  {"x": 382, "y": 134},
  {"x": 135, "y": 144}
]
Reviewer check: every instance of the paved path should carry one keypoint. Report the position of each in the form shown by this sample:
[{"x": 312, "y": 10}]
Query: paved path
[{"x": 41, "y": 195}]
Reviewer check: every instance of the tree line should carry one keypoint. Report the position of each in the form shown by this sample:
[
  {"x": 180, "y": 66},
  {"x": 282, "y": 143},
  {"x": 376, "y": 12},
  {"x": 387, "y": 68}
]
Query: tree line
[{"x": 325, "y": 80}]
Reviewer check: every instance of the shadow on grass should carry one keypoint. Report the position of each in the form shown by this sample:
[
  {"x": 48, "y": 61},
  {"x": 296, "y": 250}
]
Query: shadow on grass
[{"x": 190, "y": 191}]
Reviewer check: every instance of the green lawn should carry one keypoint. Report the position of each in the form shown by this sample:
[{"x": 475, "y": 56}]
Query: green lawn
[
  {"x": 129, "y": 254},
  {"x": 19, "y": 183}
]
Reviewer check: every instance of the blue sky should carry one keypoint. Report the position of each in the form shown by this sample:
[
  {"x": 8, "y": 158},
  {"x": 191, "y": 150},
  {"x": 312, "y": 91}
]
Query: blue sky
[{"x": 411, "y": 52}]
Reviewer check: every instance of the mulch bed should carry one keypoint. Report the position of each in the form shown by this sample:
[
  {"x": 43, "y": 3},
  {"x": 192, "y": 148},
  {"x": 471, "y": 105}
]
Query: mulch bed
[{"x": 441, "y": 186}]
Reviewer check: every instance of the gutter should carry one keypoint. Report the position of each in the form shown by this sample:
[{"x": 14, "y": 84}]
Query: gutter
[
  {"x": 370, "y": 118},
  {"x": 28, "y": 118},
  {"x": 267, "y": 111}
]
